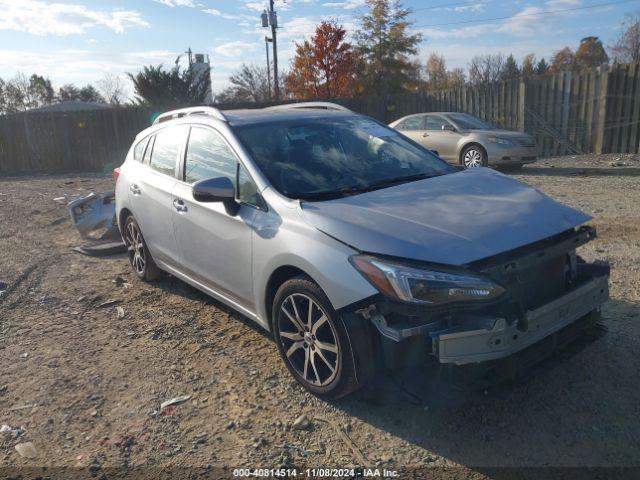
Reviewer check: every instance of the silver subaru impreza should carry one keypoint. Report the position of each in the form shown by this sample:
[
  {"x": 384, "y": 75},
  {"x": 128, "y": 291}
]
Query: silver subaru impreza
[{"x": 355, "y": 246}]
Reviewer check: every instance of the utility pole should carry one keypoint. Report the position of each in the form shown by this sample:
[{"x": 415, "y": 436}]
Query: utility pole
[
  {"x": 270, "y": 18},
  {"x": 266, "y": 47}
]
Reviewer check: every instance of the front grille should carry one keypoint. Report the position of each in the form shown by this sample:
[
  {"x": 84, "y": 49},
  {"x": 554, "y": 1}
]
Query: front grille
[{"x": 539, "y": 284}]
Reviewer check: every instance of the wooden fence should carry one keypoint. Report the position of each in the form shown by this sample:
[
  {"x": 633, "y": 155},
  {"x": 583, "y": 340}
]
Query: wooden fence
[{"x": 589, "y": 111}]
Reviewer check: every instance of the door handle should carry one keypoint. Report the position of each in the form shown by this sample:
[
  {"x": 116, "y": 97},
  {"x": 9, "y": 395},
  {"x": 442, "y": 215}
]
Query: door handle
[
  {"x": 179, "y": 205},
  {"x": 135, "y": 189}
]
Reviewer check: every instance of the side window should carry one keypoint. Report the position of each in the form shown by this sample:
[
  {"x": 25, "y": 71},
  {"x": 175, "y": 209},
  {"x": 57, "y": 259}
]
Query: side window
[
  {"x": 247, "y": 191},
  {"x": 208, "y": 156},
  {"x": 165, "y": 150},
  {"x": 436, "y": 123},
  {"x": 138, "y": 150},
  {"x": 411, "y": 123}
]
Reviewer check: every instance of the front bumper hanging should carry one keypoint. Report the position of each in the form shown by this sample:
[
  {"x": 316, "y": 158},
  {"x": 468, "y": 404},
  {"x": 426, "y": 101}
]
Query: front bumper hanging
[
  {"x": 502, "y": 340},
  {"x": 480, "y": 336}
]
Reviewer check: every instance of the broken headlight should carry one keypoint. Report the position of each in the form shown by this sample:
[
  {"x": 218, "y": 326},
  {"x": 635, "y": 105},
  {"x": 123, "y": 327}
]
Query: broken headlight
[{"x": 416, "y": 285}]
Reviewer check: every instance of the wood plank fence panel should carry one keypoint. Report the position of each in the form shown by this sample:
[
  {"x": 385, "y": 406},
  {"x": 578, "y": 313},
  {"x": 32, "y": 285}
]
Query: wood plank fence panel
[{"x": 592, "y": 110}]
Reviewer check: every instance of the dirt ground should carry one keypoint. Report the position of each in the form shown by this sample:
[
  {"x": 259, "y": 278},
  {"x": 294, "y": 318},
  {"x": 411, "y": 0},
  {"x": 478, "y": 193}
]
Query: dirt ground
[{"x": 85, "y": 384}]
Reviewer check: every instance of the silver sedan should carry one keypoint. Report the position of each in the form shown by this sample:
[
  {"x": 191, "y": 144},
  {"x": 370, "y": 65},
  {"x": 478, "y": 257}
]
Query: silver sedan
[{"x": 465, "y": 140}]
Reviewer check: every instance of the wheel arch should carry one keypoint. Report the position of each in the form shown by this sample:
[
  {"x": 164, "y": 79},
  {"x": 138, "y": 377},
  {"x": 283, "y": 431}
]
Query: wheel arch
[
  {"x": 471, "y": 144},
  {"x": 278, "y": 277},
  {"x": 122, "y": 216}
]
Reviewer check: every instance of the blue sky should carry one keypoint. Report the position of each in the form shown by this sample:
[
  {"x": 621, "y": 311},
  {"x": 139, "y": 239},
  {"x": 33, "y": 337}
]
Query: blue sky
[{"x": 79, "y": 41}]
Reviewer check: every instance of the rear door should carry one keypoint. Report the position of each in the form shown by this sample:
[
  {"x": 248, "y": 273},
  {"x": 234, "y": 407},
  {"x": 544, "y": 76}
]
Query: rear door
[
  {"x": 151, "y": 190},
  {"x": 444, "y": 141},
  {"x": 215, "y": 244}
]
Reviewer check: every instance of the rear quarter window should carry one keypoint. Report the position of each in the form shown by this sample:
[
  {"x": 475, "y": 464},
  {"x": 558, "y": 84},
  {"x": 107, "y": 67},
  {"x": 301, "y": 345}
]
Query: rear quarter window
[{"x": 138, "y": 150}]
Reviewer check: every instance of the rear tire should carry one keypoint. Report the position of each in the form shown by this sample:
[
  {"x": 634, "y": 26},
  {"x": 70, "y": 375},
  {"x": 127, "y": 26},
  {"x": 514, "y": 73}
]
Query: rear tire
[
  {"x": 474, "y": 156},
  {"x": 330, "y": 355},
  {"x": 139, "y": 255}
]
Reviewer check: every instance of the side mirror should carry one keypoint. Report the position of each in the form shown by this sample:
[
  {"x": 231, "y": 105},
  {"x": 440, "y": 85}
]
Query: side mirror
[
  {"x": 219, "y": 189},
  {"x": 448, "y": 127},
  {"x": 214, "y": 190}
]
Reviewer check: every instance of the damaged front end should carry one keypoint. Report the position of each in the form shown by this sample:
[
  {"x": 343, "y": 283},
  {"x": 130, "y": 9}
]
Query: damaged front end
[{"x": 538, "y": 291}]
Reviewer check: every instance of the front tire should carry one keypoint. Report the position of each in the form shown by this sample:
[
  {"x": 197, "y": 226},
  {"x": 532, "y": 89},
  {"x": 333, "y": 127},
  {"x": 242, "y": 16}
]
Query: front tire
[
  {"x": 139, "y": 256},
  {"x": 328, "y": 354},
  {"x": 474, "y": 156}
]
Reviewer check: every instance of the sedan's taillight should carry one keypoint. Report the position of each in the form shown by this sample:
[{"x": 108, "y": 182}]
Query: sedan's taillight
[{"x": 116, "y": 174}]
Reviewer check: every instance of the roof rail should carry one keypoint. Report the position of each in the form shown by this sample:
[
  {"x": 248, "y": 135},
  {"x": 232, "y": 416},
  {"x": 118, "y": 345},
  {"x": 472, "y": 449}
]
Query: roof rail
[
  {"x": 214, "y": 112},
  {"x": 316, "y": 105}
]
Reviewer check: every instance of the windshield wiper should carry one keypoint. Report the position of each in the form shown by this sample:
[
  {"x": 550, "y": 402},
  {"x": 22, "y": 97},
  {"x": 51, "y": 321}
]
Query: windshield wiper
[
  {"x": 357, "y": 189},
  {"x": 397, "y": 181}
]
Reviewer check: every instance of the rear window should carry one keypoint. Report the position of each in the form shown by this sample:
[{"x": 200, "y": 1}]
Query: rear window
[
  {"x": 411, "y": 123},
  {"x": 138, "y": 150},
  {"x": 165, "y": 149}
]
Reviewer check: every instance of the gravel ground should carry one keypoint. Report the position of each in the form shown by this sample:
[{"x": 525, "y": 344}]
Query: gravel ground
[{"x": 85, "y": 383}]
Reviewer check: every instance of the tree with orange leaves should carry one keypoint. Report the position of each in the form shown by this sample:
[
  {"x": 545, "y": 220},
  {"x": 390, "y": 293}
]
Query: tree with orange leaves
[{"x": 324, "y": 67}]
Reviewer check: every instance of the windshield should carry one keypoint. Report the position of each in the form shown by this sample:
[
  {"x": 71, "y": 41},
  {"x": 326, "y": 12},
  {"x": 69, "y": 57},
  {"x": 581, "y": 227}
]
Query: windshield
[
  {"x": 469, "y": 122},
  {"x": 317, "y": 159}
]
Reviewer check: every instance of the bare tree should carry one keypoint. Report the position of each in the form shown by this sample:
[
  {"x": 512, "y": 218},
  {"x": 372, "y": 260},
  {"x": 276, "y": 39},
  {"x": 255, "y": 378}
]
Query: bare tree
[
  {"x": 563, "y": 59},
  {"x": 626, "y": 48},
  {"x": 528, "y": 67},
  {"x": 113, "y": 89},
  {"x": 249, "y": 84},
  {"x": 486, "y": 68},
  {"x": 436, "y": 70},
  {"x": 456, "y": 78}
]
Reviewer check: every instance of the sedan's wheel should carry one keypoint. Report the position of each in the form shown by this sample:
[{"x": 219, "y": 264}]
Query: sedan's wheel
[
  {"x": 473, "y": 157},
  {"x": 137, "y": 251},
  {"x": 320, "y": 348}
]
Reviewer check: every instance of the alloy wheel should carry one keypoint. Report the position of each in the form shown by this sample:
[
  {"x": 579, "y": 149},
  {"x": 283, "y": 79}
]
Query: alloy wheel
[
  {"x": 473, "y": 158},
  {"x": 135, "y": 248},
  {"x": 309, "y": 339}
]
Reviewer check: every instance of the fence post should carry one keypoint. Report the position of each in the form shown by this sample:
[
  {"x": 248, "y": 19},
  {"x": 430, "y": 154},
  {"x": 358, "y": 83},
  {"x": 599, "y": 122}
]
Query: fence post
[
  {"x": 602, "y": 110},
  {"x": 522, "y": 97},
  {"x": 28, "y": 138}
]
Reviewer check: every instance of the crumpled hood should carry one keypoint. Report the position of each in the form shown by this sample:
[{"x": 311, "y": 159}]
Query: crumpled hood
[{"x": 454, "y": 219}]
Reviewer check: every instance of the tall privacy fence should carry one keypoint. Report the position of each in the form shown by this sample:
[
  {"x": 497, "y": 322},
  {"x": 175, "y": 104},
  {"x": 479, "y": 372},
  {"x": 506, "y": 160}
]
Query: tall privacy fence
[{"x": 589, "y": 111}]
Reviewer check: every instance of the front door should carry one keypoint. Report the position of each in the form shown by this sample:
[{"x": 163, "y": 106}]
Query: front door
[{"x": 214, "y": 243}]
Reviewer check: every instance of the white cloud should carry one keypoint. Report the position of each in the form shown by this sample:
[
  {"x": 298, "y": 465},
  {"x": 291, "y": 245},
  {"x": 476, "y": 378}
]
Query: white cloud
[
  {"x": 78, "y": 65},
  {"x": 178, "y": 3},
  {"x": 257, "y": 6},
  {"x": 476, "y": 7},
  {"x": 559, "y": 4},
  {"x": 40, "y": 18},
  {"x": 212, "y": 11},
  {"x": 234, "y": 49},
  {"x": 347, "y": 5},
  {"x": 524, "y": 23}
]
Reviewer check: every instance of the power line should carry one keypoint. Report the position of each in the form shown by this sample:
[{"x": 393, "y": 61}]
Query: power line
[
  {"x": 493, "y": 19},
  {"x": 509, "y": 17},
  {"x": 445, "y": 5}
]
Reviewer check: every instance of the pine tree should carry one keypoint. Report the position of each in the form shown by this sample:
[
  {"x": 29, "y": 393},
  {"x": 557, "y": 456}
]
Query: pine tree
[{"x": 386, "y": 46}]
